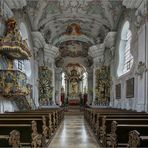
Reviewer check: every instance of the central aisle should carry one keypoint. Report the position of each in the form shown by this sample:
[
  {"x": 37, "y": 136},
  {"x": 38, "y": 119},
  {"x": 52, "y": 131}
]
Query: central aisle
[{"x": 74, "y": 133}]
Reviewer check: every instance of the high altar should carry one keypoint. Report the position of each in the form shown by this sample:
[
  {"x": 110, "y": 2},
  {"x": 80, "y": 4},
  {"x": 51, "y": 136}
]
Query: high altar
[
  {"x": 74, "y": 82},
  {"x": 74, "y": 98}
]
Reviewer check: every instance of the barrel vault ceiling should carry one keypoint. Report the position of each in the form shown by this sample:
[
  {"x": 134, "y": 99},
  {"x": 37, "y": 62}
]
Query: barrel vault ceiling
[{"x": 74, "y": 25}]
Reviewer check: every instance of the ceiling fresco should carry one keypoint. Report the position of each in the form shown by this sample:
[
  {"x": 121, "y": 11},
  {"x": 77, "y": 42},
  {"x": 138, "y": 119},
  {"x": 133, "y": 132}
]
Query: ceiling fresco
[
  {"x": 56, "y": 15},
  {"x": 74, "y": 49},
  {"x": 74, "y": 25},
  {"x": 74, "y": 71},
  {"x": 72, "y": 42}
]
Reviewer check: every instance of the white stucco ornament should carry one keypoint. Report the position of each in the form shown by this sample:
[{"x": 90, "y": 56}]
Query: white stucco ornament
[{"x": 141, "y": 69}]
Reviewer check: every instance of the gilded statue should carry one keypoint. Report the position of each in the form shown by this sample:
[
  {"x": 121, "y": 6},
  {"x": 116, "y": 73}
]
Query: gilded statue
[
  {"x": 103, "y": 85},
  {"x": 74, "y": 87},
  {"x": 12, "y": 45}
]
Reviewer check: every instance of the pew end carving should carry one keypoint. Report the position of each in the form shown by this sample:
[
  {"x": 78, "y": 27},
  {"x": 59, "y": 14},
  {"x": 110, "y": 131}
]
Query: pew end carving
[
  {"x": 134, "y": 138},
  {"x": 14, "y": 139}
]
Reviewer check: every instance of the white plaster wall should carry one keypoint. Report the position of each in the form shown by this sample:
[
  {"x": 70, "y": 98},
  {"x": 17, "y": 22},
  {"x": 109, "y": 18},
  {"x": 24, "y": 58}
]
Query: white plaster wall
[
  {"x": 141, "y": 98},
  {"x": 146, "y": 88},
  {"x": 124, "y": 103},
  {"x": 7, "y": 105},
  {"x": 139, "y": 51}
]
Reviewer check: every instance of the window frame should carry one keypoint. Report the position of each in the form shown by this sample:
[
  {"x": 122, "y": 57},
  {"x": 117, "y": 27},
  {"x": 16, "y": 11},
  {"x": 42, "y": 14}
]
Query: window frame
[{"x": 125, "y": 59}]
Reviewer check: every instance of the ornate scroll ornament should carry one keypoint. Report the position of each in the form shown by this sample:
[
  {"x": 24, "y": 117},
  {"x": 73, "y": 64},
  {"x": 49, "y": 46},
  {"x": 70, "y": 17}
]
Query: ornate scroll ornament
[
  {"x": 141, "y": 69},
  {"x": 103, "y": 81},
  {"x": 44, "y": 127},
  {"x": 45, "y": 85},
  {"x": 54, "y": 122},
  {"x": 13, "y": 83},
  {"x": 134, "y": 139},
  {"x": 12, "y": 44},
  {"x": 56, "y": 116},
  {"x": 103, "y": 130},
  {"x": 113, "y": 137},
  {"x": 97, "y": 125},
  {"x": 14, "y": 139},
  {"x": 50, "y": 125},
  {"x": 36, "y": 138},
  {"x": 141, "y": 16}
]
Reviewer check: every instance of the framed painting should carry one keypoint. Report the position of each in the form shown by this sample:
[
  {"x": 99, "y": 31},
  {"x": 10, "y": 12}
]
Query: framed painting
[{"x": 130, "y": 88}]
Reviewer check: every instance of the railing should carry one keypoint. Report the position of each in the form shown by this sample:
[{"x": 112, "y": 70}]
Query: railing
[{"x": 13, "y": 83}]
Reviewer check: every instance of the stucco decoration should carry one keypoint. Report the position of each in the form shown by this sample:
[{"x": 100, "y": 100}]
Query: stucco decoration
[
  {"x": 45, "y": 86},
  {"x": 74, "y": 71},
  {"x": 5, "y": 11},
  {"x": 73, "y": 43},
  {"x": 74, "y": 49},
  {"x": 110, "y": 44},
  {"x": 73, "y": 25},
  {"x": 3, "y": 62},
  {"x": 16, "y": 4},
  {"x": 141, "y": 7},
  {"x": 103, "y": 81},
  {"x": 12, "y": 44},
  {"x": 132, "y": 3},
  {"x": 13, "y": 83},
  {"x": 141, "y": 69},
  {"x": 53, "y": 16}
]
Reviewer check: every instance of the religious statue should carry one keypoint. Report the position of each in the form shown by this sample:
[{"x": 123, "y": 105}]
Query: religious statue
[
  {"x": 74, "y": 87},
  {"x": 103, "y": 85},
  {"x": 141, "y": 69}
]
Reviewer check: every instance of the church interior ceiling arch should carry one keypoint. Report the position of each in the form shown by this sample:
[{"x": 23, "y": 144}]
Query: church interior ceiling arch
[
  {"x": 74, "y": 71},
  {"x": 73, "y": 26}
]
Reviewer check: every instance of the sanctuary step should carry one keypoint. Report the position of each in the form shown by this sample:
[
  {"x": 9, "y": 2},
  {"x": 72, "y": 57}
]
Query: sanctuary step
[{"x": 74, "y": 110}]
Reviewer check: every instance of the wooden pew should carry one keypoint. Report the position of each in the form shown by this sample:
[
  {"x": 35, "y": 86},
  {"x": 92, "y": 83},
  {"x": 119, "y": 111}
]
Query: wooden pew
[
  {"x": 94, "y": 120},
  {"x": 100, "y": 121},
  {"x": 11, "y": 139},
  {"x": 106, "y": 125},
  {"x": 137, "y": 139},
  {"x": 57, "y": 115},
  {"x": 91, "y": 114},
  {"x": 20, "y": 135},
  {"x": 47, "y": 121},
  {"x": 119, "y": 133}
]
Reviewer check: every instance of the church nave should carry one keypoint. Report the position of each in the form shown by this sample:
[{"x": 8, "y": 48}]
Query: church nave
[
  {"x": 74, "y": 133},
  {"x": 73, "y": 73}
]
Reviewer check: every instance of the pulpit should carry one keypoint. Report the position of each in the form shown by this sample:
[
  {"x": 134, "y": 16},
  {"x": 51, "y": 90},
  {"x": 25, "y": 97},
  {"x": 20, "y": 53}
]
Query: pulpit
[{"x": 13, "y": 83}]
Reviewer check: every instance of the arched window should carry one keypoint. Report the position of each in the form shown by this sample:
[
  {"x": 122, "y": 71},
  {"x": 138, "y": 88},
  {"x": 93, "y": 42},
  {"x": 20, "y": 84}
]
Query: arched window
[{"x": 125, "y": 57}]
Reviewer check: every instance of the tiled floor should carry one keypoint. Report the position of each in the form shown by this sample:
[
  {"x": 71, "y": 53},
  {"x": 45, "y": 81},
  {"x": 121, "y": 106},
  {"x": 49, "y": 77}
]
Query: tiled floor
[{"x": 74, "y": 133}]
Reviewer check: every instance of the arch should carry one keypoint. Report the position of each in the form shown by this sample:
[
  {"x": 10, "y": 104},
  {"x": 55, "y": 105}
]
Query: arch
[{"x": 125, "y": 56}]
